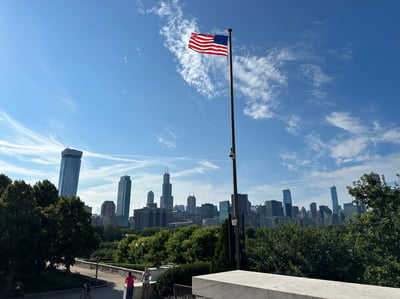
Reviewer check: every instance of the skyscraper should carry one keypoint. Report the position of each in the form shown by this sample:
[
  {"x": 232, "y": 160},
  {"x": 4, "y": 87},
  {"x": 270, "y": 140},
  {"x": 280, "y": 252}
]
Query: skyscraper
[
  {"x": 243, "y": 205},
  {"x": 123, "y": 201},
  {"x": 107, "y": 212},
  {"x": 287, "y": 203},
  {"x": 108, "y": 209},
  {"x": 191, "y": 205},
  {"x": 335, "y": 203},
  {"x": 313, "y": 210},
  {"x": 224, "y": 210},
  {"x": 150, "y": 199},
  {"x": 273, "y": 208},
  {"x": 69, "y": 172},
  {"x": 166, "y": 199}
]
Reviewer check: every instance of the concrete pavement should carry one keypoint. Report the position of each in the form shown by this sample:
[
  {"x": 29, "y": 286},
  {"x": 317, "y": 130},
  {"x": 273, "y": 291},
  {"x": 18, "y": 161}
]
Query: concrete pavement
[{"x": 113, "y": 290}]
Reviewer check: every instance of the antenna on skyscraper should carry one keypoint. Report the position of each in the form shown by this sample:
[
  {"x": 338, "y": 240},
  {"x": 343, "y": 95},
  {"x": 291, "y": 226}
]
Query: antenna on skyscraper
[{"x": 60, "y": 139}]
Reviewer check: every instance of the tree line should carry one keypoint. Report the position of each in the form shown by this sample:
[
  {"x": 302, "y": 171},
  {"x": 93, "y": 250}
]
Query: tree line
[
  {"x": 365, "y": 250},
  {"x": 39, "y": 229}
]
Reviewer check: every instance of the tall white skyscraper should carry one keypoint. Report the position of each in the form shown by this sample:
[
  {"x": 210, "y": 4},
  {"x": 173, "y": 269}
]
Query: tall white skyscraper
[
  {"x": 69, "y": 172},
  {"x": 166, "y": 200},
  {"x": 124, "y": 200}
]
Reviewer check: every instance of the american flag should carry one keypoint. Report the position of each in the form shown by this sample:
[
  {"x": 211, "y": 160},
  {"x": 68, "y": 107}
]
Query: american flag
[{"x": 209, "y": 44}]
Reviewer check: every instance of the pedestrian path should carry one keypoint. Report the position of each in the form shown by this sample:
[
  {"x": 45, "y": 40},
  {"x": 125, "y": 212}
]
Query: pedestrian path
[{"x": 113, "y": 290}]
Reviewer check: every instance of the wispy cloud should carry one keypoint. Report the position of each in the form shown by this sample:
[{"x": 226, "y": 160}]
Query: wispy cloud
[
  {"x": 345, "y": 121},
  {"x": 169, "y": 144},
  {"x": 28, "y": 155},
  {"x": 344, "y": 151},
  {"x": 22, "y": 142},
  {"x": 391, "y": 136},
  {"x": 314, "y": 75},
  {"x": 293, "y": 161},
  {"x": 292, "y": 124},
  {"x": 258, "y": 79},
  {"x": 168, "y": 140},
  {"x": 343, "y": 53}
]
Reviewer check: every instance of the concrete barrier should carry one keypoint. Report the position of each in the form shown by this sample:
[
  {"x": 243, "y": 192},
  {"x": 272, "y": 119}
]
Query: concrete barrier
[
  {"x": 155, "y": 272},
  {"x": 246, "y": 284},
  {"x": 137, "y": 290}
]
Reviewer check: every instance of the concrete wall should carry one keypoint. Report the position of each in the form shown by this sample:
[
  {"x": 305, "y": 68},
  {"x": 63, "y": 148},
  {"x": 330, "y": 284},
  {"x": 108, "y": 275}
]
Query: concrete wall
[
  {"x": 254, "y": 285},
  {"x": 155, "y": 272}
]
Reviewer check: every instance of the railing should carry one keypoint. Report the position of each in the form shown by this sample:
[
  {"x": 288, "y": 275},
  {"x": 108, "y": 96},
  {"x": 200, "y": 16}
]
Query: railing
[{"x": 182, "y": 291}]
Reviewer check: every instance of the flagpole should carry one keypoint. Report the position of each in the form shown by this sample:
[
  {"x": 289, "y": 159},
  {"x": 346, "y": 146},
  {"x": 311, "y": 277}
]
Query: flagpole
[{"x": 235, "y": 221}]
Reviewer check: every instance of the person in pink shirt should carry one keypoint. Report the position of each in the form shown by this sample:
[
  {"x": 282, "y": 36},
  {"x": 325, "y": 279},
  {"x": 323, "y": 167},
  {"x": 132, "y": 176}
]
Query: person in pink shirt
[{"x": 129, "y": 285}]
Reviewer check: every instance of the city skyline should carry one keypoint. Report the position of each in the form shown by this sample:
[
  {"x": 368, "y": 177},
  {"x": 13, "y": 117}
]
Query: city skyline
[{"x": 315, "y": 89}]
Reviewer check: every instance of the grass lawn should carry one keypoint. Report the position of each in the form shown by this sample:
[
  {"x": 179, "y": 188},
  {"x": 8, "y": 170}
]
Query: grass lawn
[{"x": 54, "y": 280}]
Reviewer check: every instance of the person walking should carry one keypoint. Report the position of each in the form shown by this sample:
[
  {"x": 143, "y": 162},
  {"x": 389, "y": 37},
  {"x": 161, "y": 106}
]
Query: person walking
[
  {"x": 146, "y": 277},
  {"x": 86, "y": 291},
  {"x": 129, "y": 285}
]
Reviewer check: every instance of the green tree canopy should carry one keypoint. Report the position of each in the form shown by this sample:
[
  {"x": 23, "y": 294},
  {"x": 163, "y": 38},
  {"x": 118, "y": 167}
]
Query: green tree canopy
[
  {"x": 19, "y": 230},
  {"x": 376, "y": 234},
  {"x": 176, "y": 246},
  {"x": 45, "y": 193},
  {"x": 76, "y": 236}
]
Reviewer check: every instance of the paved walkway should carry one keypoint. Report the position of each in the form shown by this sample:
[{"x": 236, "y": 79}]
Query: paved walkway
[{"x": 113, "y": 290}]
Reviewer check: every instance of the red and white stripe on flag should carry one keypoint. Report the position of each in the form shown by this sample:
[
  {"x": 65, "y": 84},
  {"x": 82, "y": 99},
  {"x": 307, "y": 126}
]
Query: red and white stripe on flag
[{"x": 209, "y": 44}]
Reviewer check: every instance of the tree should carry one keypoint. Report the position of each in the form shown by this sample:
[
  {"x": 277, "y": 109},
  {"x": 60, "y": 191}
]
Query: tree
[
  {"x": 376, "y": 233},
  {"x": 123, "y": 248},
  {"x": 176, "y": 245},
  {"x": 19, "y": 230},
  {"x": 46, "y": 196},
  {"x": 318, "y": 252},
  {"x": 4, "y": 182},
  {"x": 45, "y": 193},
  {"x": 76, "y": 236},
  {"x": 156, "y": 247},
  {"x": 222, "y": 260},
  {"x": 201, "y": 245}
]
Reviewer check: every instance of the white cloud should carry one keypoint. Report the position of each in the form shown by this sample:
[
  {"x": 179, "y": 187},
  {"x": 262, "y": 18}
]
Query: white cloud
[
  {"x": 293, "y": 162},
  {"x": 169, "y": 141},
  {"x": 315, "y": 143},
  {"x": 391, "y": 136},
  {"x": 352, "y": 149},
  {"x": 292, "y": 124},
  {"x": 343, "y": 53},
  {"x": 257, "y": 79},
  {"x": 314, "y": 75},
  {"x": 208, "y": 164},
  {"x": 169, "y": 144},
  {"x": 345, "y": 121}
]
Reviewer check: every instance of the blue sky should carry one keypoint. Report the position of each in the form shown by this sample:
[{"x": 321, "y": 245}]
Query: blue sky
[{"x": 316, "y": 89}]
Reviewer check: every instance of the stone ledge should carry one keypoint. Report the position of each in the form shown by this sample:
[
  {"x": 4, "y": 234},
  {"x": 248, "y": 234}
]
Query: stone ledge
[{"x": 246, "y": 284}]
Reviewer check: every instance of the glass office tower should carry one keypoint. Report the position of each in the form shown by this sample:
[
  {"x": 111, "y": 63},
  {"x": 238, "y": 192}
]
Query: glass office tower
[
  {"x": 123, "y": 200},
  {"x": 69, "y": 172},
  {"x": 287, "y": 203}
]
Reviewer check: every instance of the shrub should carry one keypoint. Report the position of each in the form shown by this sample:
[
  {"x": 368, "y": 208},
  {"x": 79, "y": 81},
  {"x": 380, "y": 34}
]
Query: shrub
[{"x": 181, "y": 274}]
